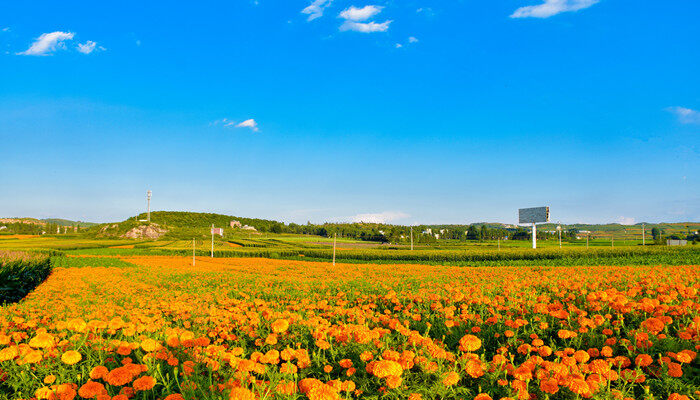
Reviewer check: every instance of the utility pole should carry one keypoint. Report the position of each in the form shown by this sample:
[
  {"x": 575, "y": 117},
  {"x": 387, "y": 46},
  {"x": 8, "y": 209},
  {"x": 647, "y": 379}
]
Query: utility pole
[
  {"x": 534, "y": 236},
  {"x": 643, "y": 238},
  {"x": 193, "y": 252},
  {"x": 148, "y": 195},
  {"x": 587, "y": 236},
  {"x": 212, "y": 240},
  {"x": 411, "y": 238},
  {"x": 499, "y": 243},
  {"x": 335, "y": 235}
]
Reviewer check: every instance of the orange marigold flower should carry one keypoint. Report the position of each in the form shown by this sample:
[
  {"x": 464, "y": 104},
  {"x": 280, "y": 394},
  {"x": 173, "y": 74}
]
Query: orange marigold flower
[
  {"x": 523, "y": 373},
  {"x": 323, "y": 392},
  {"x": 474, "y": 368},
  {"x": 415, "y": 396},
  {"x": 386, "y": 368},
  {"x": 119, "y": 376},
  {"x": 71, "y": 357},
  {"x": 49, "y": 379},
  {"x": 280, "y": 325},
  {"x": 643, "y": 360},
  {"x": 579, "y": 386},
  {"x": 98, "y": 372},
  {"x": 240, "y": 393},
  {"x": 469, "y": 343},
  {"x": 550, "y": 386},
  {"x": 91, "y": 389},
  {"x": 174, "y": 396},
  {"x": 482, "y": 396},
  {"x": 450, "y": 378},
  {"x": 8, "y": 353},
  {"x": 144, "y": 383},
  {"x": 392, "y": 382},
  {"x": 44, "y": 393},
  {"x": 599, "y": 366}
]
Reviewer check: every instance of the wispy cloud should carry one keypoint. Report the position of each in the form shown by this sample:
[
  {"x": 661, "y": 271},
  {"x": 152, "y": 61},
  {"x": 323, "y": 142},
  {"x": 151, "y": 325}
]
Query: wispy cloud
[
  {"x": 228, "y": 123},
  {"x": 625, "y": 220},
  {"x": 379, "y": 218},
  {"x": 685, "y": 115},
  {"x": 6, "y": 29},
  {"x": 412, "y": 40},
  {"x": 316, "y": 8},
  {"x": 383, "y": 217},
  {"x": 249, "y": 123},
  {"x": 87, "y": 47},
  {"x": 552, "y": 7},
  {"x": 360, "y": 14},
  {"x": 368, "y": 27},
  {"x": 47, "y": 43}
]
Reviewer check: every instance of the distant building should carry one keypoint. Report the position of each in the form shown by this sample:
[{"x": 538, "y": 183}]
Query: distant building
[
  {"x": 673, "y": 242},
  {"x": 249, "y": 228},
  {"x": 428, "y": 231},
  {"x": 236, "y": 224},
  {"x": 3, "y": 227}
]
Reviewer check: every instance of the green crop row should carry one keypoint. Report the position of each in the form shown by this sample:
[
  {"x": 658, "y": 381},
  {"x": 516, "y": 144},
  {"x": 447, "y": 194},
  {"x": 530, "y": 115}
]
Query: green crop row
[
  {"x": 21, "y": 272},
  {"x": 595, "y": 256}
]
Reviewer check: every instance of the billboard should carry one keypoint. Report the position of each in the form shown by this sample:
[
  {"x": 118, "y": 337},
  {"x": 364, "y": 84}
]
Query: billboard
[
  {"x": 217, "y": 231},
  {"x": 533, "y": 215}
]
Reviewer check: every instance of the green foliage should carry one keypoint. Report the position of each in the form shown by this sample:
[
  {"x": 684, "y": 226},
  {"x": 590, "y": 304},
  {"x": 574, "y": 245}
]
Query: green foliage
[{"x": 20, "y": 273}]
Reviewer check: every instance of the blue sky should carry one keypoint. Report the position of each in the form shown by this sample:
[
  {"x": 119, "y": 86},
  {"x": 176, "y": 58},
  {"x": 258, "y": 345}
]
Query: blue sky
[{"x": 413, "y": 111}]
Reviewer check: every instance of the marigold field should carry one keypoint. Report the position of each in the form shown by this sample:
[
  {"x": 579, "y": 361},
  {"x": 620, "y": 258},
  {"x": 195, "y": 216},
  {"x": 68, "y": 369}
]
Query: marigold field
[{"x": 151, "y": 327}]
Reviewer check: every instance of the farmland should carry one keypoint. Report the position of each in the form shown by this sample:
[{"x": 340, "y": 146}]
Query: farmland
[{"x": 270, "y": 317}]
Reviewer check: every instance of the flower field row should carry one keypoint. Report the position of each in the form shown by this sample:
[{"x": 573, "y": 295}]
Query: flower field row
[{"x": 156, "y": 327}]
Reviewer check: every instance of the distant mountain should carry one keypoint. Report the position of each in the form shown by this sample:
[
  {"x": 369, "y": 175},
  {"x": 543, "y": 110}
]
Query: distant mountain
[{"x": 67, "y": 222}]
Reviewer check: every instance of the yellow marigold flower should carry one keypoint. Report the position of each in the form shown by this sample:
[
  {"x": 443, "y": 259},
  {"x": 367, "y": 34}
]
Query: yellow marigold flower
[
  {"x": 44, "y": 393},
  {"x": 280, "y": 325},
  {"x": 386, "y": 368},
  {"x": 8, "y": 353},
  {"x": 43, "y": 340},
  {"x": 71, "y": 357},
  {"x": 149, "y": 345}
]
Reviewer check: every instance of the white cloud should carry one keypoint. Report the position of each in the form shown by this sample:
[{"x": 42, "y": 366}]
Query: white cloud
[
  {"x": 685, "y": 115},
  {"x": 399, "y": 45},
  {"x": 227, "y": 123},
  {"x": 87, "y": 47},
  {"x": 552, "y": 7},
  {"x": 412, "y": 40},
  {"x": 379, "y": 218},
  {"x": 360, "y": 14},
  {"x": 625, "y": 220},
  {"x": 363, "y": 27},
  {"x": 249, "y": 123},
  {"x": 315, "y": 9},
  {"x": 6, "y": 29},
  {"x": 47, "y": 43}
]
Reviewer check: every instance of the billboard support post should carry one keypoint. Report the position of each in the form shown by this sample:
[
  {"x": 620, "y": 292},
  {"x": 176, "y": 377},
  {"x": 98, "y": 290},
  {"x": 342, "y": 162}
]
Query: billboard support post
[{"x": 533, "y": 216}]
